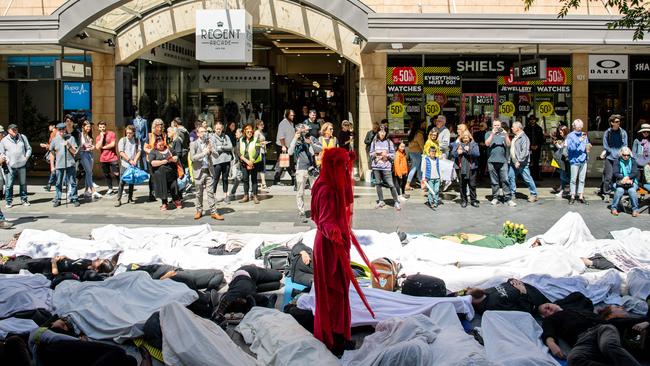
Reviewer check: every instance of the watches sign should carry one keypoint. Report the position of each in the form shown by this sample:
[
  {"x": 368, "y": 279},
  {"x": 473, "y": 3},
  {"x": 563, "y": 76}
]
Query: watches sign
[
  {"x": 608, "y": 67},
  {"x": 224, "y": 35}
]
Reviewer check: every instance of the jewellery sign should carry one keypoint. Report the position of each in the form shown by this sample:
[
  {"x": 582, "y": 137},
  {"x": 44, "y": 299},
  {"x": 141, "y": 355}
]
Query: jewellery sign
[
  {"x": 224, "y": 35},
  {"x": 608, "y": 67}
]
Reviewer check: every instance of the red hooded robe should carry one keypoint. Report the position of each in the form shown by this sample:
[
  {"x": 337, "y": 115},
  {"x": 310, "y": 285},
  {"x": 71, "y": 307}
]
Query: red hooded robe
[{"x": 331, "y": 210}]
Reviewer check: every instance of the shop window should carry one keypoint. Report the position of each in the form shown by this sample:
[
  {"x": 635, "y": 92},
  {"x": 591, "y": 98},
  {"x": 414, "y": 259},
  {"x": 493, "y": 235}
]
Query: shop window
[
  {"x": 404, "y": 60},
  {"x": 606, "y": 98},
  {"x": 641, "y": 103},
  {"x": 42, "y": 67},
  {"x": 17, "y": 67}
]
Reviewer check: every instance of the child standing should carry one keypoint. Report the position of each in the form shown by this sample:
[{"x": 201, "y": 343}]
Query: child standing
[
  {"x": 431, "y": 177},
  {"x": 400, "y": 172}
]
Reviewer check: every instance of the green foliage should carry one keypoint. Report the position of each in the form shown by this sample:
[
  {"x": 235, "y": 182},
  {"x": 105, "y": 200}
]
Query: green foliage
[{"x": 635, "y": 14}]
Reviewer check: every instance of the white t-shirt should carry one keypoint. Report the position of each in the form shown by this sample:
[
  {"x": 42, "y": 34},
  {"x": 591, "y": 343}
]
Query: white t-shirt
[{"x": 286, "y": 131}]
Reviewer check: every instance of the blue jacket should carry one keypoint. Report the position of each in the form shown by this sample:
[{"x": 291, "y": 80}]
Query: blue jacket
[
  {"x": 576, "y": 149},
  {"x": 473, "y": 155},
  {"x": 633, "y": 172},
  {"x": 612, "y": 151}
]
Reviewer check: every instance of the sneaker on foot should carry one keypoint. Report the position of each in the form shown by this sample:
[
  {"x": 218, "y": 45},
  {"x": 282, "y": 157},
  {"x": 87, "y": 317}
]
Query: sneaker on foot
[
  {"x": 76, "y": 203},
  {"x": 512, "y": 203},
  {"x": 4, "y": 224},
  {"x": 401, "y": 199},
  {"x": 9, "y": 205},
  {"x": 56, "y": 204},
  {"x": 397, "y": 206},
  {"x": 26, "y": 203},
  {"x": 97, "y": 196},
  {"x": 532, "y": 199},
  {"x": 380, "y": 204},
  {"x": 494, "y": 202},
  {"x": 118, "y": 203}
]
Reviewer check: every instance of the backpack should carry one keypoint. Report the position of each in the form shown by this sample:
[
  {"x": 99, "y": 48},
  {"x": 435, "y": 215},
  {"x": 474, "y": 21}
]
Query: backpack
[
  {"x": 388, "y": 271},
  {"x": 278, "y": 259},
  {"x": 423, "y": 285}
]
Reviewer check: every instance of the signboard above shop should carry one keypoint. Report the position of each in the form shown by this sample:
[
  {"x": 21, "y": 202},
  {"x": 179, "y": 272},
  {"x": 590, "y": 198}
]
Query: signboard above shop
[
  {"x": 224, "y": 35},
  {"x": 608, "y": 67},
  {"x": 529, "y": 70},
  {"x": 234, "y": 79},
  {"x": 640, "y": 67}
]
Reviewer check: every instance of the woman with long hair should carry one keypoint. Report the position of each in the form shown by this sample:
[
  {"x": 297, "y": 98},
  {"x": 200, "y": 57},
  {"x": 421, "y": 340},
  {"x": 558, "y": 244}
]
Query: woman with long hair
[
  {"x": 86, "y": 148},
  {"x": 415, "y": 147},
  {"x": 164, "y": 169},
  {"x": 157, "y": 134},
  {"x": 382, "y": 152}
]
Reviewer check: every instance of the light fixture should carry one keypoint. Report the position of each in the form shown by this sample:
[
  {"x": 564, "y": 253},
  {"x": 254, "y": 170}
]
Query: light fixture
[
  {"x": 396, "y": 46},
  {"x": 356, "y": 40},
  {"x": 82, "y": 35},
  {"x": 298, "y": 55},
  {"x": 110, "y": 42}
]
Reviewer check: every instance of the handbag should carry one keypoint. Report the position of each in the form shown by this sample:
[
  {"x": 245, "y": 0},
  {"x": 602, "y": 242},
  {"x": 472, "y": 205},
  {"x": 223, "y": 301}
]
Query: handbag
[
  {"x": 134, "y": 175},
  {"x": 182, "y": 182},
  {"x": 283, "y": 160}
]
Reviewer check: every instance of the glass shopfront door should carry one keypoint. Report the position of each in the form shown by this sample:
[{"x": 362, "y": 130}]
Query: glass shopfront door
[{"x": 478, "y": 106}]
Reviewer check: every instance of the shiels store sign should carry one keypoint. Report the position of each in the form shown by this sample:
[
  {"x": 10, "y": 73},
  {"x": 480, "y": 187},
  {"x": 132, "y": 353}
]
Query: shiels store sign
[{"x": 224, "y": 35}]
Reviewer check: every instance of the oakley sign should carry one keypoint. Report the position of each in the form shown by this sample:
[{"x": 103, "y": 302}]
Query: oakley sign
[{"x": 608, "y": 67}]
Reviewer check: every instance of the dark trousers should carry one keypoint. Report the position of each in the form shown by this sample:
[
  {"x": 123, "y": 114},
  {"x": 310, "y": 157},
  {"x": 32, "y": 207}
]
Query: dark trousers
[
  {"x": 279, "y": 171},
  {"x": 400, "y": 184},
  {"x": 252, "y": 175},
  {"x": 600, "y": 346},
  {"x": 263, "y": 276},
  {"x": 221, "y": 170},
  {"x": 600, "y": 262},
  {"x": 110, "y": 170},
  {"x": 468, "y": 182},
  {"x": 608, "y": 167},
  {"x": 120, "y": 190},
  {"x": 535, "y": 156},
  {"x": 499, "y": 178},
  {"x": 196, "y": 279},
  {"x": 482, "y": 162},
  {"x": 384, "y": 177},
  {"x": 73, "y": 353}
]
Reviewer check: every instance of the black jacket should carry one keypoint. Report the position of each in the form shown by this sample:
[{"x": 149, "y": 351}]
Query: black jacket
[{"x": 506, "y": 297}]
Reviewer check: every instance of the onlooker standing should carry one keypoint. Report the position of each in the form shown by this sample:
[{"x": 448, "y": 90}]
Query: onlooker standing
[
  {"x": 86, "y": 147},
  {"x": 201, "y": 152},
  {"x": 535, "y": 134},
  {"x": 370, "y": 137},
  {"x": 51, "y": 126},
  {"x": 17, "y": 151},
  {"x": 302, "y": 149},
  {"x": 578, "y": 147},
  {"x": 466, "y": 153},
  {"x": 165, "y": 175},
  {"x": 261, "y": 136},
  {"x": 105, "y": 143},
  {"x": 63, "y": 149},
  {"x": 235, "y": 170},
  {"x": 626, "y": 178},
  {"x": 613, "y": 139},
  {"x": 561, "y": 157},
  {"x": 129, "y": 149},
  {"x": 431, "y": 177},
  {"x": 312, "y": 124},
  {"x": 285, "y": 134},
  {"x": 400, "y": 172},
  {"x": 184, "y": 135},
  {"x": 221, "y": 155},
  {"x": 416, "y": 146},
  {"x": 157, "y": 134},
  {"x": 346, "y": 137},
  {"x": 325, "y": 141},
  {"x": 4, "y": 224},
  {"x": 382, "y": 152},
  {"x": 519, "y": 160},
  {"x": 444, "y": 135},
  {"x": 498, "y": 143},
  {"x": 248, "y": 151},
  {"x": 175, "y": 143},
  {"x": 479, "y": 138},
  {"x": 641, "y": 146},
  {"x": 231, "y": 132}
]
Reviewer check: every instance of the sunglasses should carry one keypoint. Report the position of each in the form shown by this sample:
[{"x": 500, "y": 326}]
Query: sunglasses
[{"x": 626, "y": 155}]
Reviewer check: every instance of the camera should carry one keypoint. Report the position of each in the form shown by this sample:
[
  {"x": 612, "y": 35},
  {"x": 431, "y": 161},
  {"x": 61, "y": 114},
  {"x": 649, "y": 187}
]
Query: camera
[{"x": 500, "y": 130}]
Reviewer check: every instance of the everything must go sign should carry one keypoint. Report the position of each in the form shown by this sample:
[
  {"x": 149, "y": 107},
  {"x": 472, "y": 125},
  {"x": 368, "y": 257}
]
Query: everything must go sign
[{"x": 224, "y": 35}]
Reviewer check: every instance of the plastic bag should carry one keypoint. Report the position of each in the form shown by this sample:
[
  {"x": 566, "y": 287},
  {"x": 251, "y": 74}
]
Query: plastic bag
[
  {"x": 134, "y": 175},
  {"x": 182, "y": 182}
]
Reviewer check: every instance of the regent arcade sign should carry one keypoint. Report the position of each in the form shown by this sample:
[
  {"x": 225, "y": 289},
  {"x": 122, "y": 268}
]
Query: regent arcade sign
[{"x": 224, "y": 35}]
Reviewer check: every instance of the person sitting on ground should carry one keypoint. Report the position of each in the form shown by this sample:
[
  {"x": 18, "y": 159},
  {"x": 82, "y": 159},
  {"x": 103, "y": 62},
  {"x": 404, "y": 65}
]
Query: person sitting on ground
[
  {"x": 626, "y": 177},
  {"x": 209, "y": 279},
  {"x": 591, "y": 338},
  {"x": 243, "y": 290},
  {"x": 511, "y": 295}
]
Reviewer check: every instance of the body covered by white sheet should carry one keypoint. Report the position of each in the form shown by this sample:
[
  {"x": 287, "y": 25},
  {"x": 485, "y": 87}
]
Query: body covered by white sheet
[
  {"x": 277, "y": 339},
  {"x": 24, "y": 292},
  {"x": 396, "y": 341},
  {"x": 513, "y": 338},
  {"x": 16, "y": 326},
  {"x": 189, "y": 340},
  {"x": 386, "y": 305},
  {"x": 638, "y": 282},
  {"x": 570, "y": 228},
  {"x": 118, "y": 307},
  {"x": 50, "y": 243}
]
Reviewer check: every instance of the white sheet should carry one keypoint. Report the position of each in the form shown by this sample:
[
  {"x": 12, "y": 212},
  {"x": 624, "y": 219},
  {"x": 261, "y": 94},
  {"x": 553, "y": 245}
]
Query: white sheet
[
  {"x": 638, "y": 282},
  {"x": 513, "y": 338},
  {"x": 570, "y": 228},
  {"x": 277, "y": 339},
  {"x": 386, "y": 305},
  {"x": 24, "y": 292},
  {"x": 189, "y": 340},
  {"x": 16, "y": 326},
  {"x": 118, "y": 307}
]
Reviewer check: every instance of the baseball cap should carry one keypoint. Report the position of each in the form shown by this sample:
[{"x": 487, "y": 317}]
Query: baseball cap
[
  {"x": 12, "y": 126},
  {"x": 60, "y": 126}
]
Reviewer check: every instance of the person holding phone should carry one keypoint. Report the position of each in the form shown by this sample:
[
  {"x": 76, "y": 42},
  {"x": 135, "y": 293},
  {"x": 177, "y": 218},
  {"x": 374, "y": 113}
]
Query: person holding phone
[
  {"x": 498, "y": 143},
  {"x": 163, "y": 165}
]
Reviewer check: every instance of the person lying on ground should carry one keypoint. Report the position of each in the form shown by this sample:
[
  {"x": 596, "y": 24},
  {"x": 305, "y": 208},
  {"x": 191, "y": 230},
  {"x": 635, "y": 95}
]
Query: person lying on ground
[
  {"x": 510, "y": 295},
  {"x": 196, "y": 279},
  {"x": 57, "y": 344},
  {"x": 592, "y": 339},
  {"x": 597, "y": 261},
  {"x": 60, "y": 267},
  {"x": 243, "y": 291}
]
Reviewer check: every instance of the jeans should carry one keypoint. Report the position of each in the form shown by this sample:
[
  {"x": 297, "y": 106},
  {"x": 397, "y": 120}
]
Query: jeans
[
  {"x": 67, "y": 176},
  {"x": 608, "y": 167},
  {"x": 384, "y": 177},
  {"x": 600, "y": 346},
  {"x": 416, "y": 162},
  {"x": 252, "y": 174},
  {"x": 499, "y": 178},
  {"x": 302, "y": 177},
  {"x": 565, "y": 179},
  {"x": 468, "y": 183},
  {"x": 578, "y": 174},
  {"x": 221, "y": 170},
  {"x": 525, "y": 175},
  {"x": 433, "y": 191},
  {"x": 21, "y": 173},
  {"x": 87, "y": 164},
  {"x": 620, "y": 191},
  {"x": 400, "y": 184}
]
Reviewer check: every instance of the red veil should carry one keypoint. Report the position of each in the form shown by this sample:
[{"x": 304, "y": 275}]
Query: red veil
[{"x": 331, "y": 209}]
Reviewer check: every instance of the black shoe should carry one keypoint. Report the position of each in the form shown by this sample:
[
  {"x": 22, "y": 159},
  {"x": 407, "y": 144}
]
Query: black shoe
[
  {"x": 56, "y": 204},
  {"x": 152, "y": 198},
  {"x": 48, "y": 188},
  {"x": 475, "y": 203},
  {"x": 572, "y": 200},
  {"x": 118, "y": 203},
  {"x": 583, "y": 201},
  {"x": 130, "y": 200},
  {"x": 76, "y": 203},
  {"x": 463, "y": 204}
]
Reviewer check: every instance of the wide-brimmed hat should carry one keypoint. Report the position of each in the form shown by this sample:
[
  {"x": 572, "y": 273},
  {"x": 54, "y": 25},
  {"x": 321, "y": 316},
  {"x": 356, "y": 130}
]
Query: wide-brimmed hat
[{"x": 645, "y": 128}]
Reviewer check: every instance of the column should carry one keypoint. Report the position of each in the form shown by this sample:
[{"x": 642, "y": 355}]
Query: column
[{"x": 372, "y": 99}]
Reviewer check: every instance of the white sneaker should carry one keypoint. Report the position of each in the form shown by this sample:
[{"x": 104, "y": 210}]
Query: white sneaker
[
  {"x": 402, "y": 198},
  {"x": 397, "y": 206},
  {"x": 559, "y": 194},
  {"x": 380, "y": 204},
  {"x": 95, "y": 185},
  {"x": 446, "y": 186},
  {"x": 26, "y": 203},
  {"x": 494, "y": 202},
  {"x": 8, "y": 205},
  {"x": 512, "y": 203},
  {"x": 96, "y": 195}
]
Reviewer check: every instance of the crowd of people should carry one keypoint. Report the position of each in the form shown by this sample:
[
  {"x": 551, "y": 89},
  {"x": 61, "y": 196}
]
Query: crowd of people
[{"x": 430, "y": 157}]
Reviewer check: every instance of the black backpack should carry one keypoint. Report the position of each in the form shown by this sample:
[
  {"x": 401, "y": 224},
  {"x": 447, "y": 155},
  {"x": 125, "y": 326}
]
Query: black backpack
[
  {"x": 424, "y": 286},
  {"x": 278, "y": 259}
]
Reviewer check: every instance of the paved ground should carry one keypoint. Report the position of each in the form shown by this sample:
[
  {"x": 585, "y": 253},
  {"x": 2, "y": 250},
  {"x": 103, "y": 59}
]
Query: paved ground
[{"x": 277, "y": 213}]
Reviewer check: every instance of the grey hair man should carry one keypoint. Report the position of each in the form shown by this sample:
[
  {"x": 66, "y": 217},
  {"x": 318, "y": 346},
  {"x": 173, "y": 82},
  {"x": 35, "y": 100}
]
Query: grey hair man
[
  {"x": 203, "y": 171},
  {"x": 498, "y": 143},
  {"x": 519, "y": 162},
  {"x": 444, "y": 135}
]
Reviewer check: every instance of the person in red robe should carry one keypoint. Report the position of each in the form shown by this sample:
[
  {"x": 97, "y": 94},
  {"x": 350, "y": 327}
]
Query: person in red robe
[{"x": 331, "y": 210}]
